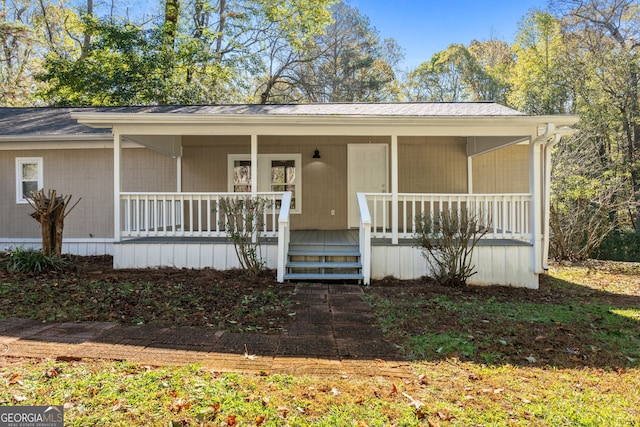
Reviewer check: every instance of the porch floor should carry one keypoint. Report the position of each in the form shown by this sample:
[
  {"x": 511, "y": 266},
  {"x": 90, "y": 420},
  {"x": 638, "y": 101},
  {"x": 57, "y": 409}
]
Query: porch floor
[{"x": 314, "y": 237}]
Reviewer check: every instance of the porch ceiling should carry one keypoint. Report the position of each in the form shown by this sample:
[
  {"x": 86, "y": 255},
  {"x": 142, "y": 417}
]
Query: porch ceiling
[
  {"x": 477, "y": 145},
  {"x": 170, "y": 145}
]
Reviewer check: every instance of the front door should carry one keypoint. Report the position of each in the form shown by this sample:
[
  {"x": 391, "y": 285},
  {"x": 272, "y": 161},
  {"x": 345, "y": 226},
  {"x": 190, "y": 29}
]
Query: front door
[{"x": 368, "y": 171}]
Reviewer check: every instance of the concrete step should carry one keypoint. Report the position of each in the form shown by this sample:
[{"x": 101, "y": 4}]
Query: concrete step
[
  {"x": 328, "y": 264},
  {"x": 321, "y": 277},
  {"x": 313, "y": 252}
]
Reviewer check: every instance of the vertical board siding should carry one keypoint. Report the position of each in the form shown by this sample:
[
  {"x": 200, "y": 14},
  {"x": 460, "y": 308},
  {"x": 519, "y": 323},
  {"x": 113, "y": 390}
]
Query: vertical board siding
[
  {"x": 432, "y": 165},
  {"x": 496, "y": 265},
  {"x": 502, "y": 171},
  {"x": 86, "y": 174}
]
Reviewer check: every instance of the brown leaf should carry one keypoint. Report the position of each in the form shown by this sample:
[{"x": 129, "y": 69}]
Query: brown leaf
[
  {"x": 180, "y": 404},
  {"x": 394, "y": 389},
  {"x": 231, "y": 420},
  {"x": 445, "y": 415},
  {"x": 15, "y": 379},
  {"x": 52, "y": 373},
  {"x": 362, "y": 424},
  {"x": 359, "y": 400},
  {"x": 260, "y": 419}
]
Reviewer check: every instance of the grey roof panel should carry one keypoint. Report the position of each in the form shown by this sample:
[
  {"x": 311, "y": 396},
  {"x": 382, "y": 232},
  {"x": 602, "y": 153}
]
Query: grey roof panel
[{"x": 57, "y": 121}]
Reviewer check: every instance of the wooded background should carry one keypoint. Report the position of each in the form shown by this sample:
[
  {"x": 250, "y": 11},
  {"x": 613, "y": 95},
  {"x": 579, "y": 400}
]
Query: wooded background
[{"x": 576, "y": 57}]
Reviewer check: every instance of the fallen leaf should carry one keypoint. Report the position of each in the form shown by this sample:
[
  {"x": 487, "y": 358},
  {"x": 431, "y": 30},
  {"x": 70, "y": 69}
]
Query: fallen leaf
[
  {"x": 247, "y": 355},
  {"x": 180, "y": 404},
  {"x": 15, "y": 379},
  {"x": 394, "y": 389},
  {"x": 414, "y": 402},
  {"x": 362, "y": 424},
  {"x": 359, "y": 400},
  {"x": 260, "y": 419},
  {"x": 231, "y": 420},
  {"x": 18, "y": 398},
  {"x": 498, "y": 390},
  {"x": 445, "y": 415}
]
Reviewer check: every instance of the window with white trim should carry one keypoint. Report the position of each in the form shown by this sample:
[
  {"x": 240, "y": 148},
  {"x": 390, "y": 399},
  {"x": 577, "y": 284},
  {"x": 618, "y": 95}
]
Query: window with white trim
[
  {"x": 28, "y": 176},
  {"x": 276, "y": 173}
]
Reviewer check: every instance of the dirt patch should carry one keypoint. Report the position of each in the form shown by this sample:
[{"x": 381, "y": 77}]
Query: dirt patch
[{"x": 89, "y": 289}]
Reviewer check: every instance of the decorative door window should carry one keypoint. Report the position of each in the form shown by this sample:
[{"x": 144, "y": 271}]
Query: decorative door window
[{"x": 276, "y": 172}]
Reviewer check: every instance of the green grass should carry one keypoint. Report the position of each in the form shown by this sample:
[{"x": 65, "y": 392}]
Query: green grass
[
  {"x": 563, "y": 324},
  {"x": 449, "y": 393},
  {"x": 563, "y": 355}
]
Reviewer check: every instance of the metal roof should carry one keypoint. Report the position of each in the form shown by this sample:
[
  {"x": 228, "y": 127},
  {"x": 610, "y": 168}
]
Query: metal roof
[{"x": 57, "y": 121}]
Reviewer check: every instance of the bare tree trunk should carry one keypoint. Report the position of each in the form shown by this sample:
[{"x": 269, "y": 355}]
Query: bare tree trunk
[
  {"x": 86, "y": 42},
  {"x": 171, "y": 14},
  {"x": 223, "y": 16},
  {"x": 50, "y": 211}
]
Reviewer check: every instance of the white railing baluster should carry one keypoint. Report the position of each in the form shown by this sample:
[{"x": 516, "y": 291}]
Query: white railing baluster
[
  {"x": 505, "y": 215},
  {"x": 187, "y": 214}
]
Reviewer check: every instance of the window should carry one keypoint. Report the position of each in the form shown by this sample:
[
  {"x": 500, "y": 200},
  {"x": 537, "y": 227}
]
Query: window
[
  {"x": 276, "y": 173},
  {"x": 28, "y": 176}
]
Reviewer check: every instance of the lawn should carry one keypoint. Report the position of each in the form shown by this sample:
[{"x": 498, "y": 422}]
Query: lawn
[{"x": 565, "y": 355}]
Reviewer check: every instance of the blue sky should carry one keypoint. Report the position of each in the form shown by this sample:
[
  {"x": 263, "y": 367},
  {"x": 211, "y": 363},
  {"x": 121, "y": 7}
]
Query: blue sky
[{"x": 424, "y": 27}]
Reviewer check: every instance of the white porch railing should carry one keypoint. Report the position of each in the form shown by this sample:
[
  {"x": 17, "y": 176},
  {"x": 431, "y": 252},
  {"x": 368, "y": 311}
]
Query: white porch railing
[
  {"x": 506, "y": 216},
  {"x": 284, "y": 235},
  {"x": 365, "y": 238},
  {"x": 189, "y": 214}
]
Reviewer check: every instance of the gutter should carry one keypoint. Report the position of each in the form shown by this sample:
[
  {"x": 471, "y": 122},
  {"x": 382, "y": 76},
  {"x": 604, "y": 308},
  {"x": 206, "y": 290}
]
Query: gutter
[{"x": 548, "y": 140}]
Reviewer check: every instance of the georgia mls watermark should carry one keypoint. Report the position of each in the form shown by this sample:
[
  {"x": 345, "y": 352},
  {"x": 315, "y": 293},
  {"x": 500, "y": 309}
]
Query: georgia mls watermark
[{"x": 31, "y": 416}]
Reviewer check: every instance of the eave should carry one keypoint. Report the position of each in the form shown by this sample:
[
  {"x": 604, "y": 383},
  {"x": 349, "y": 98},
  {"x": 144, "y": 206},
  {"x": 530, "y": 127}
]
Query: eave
[{"x": 205, "y": 124}]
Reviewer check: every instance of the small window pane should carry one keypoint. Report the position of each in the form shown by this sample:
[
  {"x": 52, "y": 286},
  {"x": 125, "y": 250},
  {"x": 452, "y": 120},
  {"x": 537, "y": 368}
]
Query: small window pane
[
  {"x": 30, "y": 171},
  {"x": 28, "y": 187}
]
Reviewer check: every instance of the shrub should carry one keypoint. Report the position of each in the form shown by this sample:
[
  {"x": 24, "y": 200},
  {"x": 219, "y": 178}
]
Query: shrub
[
  {"x": 243, "y": 224},
  {"x": 621, "y": 244},
  {"x": 22, "y": 260},
  {"x": 447, "y": 241}
]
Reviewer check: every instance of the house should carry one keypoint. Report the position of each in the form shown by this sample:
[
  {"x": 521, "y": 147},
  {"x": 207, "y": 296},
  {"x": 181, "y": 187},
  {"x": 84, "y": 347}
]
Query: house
[{"x": 345, "y": 183}]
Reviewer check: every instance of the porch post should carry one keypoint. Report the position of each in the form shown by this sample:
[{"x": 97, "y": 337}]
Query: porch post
[
  {"x": 254, "y": 166},
  {"x": 535, "y": 185},
  {"x": 469, "y": 175},
  {"x": 179, "y": 174},
  {"x": 117, "y": 158},
  {"x": 254, "y": 179},
  {"x": 394, "y": 190}
]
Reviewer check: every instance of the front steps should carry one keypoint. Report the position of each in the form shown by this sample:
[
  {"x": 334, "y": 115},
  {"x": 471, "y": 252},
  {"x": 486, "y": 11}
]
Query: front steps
[{"x": 323, "y": 262}]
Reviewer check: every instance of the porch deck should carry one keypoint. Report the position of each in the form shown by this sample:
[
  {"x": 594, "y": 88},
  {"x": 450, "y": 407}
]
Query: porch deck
[{"x": 313, "y": 237}]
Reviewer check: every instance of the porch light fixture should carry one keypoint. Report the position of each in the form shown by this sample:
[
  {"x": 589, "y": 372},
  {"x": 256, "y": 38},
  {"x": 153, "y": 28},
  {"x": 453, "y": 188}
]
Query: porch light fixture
[{"x": 316, "y": 154}]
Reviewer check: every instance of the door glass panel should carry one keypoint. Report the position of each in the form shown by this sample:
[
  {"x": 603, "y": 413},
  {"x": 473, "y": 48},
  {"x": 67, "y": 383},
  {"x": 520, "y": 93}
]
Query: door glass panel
[
  {"x": 242, "y": 176},
  {"x": 283, "y": 176}
]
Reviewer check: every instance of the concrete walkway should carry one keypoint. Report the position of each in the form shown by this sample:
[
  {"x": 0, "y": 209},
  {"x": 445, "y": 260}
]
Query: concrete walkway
[{"x": 333, "y": 333}]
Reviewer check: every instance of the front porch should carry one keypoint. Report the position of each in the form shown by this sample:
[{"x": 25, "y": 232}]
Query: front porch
[{"x": 186, "y": 230}]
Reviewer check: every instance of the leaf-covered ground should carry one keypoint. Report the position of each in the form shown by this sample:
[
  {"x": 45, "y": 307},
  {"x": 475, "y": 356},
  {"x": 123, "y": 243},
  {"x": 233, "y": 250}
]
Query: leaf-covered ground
[
  {"x": 582, "y": 315},
  {"x": 566, "y": 354},
  {"x": 90, "y": 289}
]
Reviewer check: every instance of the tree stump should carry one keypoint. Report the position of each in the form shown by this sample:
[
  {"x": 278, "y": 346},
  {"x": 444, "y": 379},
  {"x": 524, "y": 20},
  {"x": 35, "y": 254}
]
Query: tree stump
[{"x": 50, "y": 211}]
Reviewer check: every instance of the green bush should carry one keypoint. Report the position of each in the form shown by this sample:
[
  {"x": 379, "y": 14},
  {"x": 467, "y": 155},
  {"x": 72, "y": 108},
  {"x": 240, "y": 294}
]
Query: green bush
[
  {"x": 22, "y": 260},
  {"x": 620, "y": 245}
]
